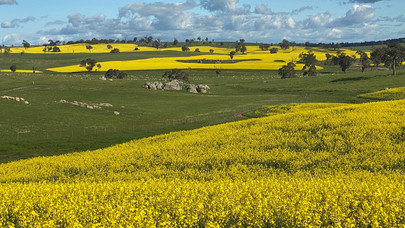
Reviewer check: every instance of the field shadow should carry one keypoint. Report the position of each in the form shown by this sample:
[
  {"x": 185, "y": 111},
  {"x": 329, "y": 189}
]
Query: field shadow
[{"x": 350, "y": 79}]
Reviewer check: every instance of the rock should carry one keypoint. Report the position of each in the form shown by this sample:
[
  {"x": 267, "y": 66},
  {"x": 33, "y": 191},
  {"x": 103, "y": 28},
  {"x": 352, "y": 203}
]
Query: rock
[
  {"x": 173, "y": 85},
  {"x": 116, "y": 113},
  {"x": 191, "y": 88}
]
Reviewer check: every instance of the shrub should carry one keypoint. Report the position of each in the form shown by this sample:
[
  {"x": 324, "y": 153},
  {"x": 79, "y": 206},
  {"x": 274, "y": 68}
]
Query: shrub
[
  {"x": 176, "y": 74},
  {"x": 13, "y": 68},
  {"x": 273, "y": 50},
  {"x": 185, "y": 48},
  {"x": 115, "y": 74},
  {"x": 55, "y": 49},
  {"x": 287, "y": 71},
  {"x": 115, "y": 50}
]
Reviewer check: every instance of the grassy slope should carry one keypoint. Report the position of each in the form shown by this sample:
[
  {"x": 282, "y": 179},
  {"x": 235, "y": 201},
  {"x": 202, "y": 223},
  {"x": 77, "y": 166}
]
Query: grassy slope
[{"x": 46, "y": 127}]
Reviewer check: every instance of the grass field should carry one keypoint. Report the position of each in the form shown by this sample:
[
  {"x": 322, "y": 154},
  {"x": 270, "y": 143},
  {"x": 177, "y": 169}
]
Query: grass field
[{"x": 47, "y": 127}]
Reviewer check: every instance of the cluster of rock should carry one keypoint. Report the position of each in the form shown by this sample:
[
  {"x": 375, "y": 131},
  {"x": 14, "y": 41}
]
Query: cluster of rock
[
  {"x": 18, "y": 99},
  {"x": 89, "y": 106},
  {"x": 197, "y": 88},
  {"x": 172, "y": 85}
]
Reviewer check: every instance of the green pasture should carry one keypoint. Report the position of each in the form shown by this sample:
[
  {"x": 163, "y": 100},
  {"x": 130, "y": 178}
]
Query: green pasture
[{"x": 47, "y": 127}]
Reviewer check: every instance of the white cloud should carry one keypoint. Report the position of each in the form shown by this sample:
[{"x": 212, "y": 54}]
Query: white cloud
[
  {"x": 16, "y": 22},
  {"x": 7, "y": 2},
  {"x": 358, "y": 14},
  {"x": 335, "y": 33},
  {"x": 290, "y": 22},
  {"x": 219, "y": 5}
]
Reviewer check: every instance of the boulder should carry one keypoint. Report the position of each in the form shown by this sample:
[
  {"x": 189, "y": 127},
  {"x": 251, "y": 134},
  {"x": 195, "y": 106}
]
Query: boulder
[
  {"x": 172, "y": 85},
  {"x": 191, "y": 88}
]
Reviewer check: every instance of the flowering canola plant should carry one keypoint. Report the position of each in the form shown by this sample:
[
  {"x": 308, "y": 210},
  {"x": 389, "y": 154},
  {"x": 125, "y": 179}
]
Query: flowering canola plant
[
  {"x": 387, "y": 94},
  {"x": 254, "y": 59},
  {"x": 339, "y": 165}
]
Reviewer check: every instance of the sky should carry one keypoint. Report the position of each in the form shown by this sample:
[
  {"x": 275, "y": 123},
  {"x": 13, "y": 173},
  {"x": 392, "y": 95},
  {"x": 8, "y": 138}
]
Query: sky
[{"x": 268, "y": 21}]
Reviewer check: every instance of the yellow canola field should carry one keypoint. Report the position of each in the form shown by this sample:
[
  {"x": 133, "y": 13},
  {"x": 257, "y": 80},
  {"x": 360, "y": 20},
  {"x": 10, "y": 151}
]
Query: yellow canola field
[
  {"x": 255, "y": 60},
  {"x": 311, "y": 165},
  {"x": 21, "y": 71},
  {"x": 75, "y": 48},
  {"x": 387, "y": 94}
]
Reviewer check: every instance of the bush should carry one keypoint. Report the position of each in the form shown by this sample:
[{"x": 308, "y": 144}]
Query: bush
[
  {"x": 13, "y": 68},
  {"x": 273, "y": 50},
  {"x": 115, "y": 50},
  {"x": 55, "y": 49},
  {"x": 185, "y": 48},
  {"x": 287, "y": 71},
  {"x": 115, "y": 74},
  {"x": 176, "y": 74}
]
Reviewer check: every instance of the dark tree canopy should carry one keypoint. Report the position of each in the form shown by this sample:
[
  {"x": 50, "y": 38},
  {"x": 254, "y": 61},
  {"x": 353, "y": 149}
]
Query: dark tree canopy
[
  {"x": 285, "y": 44},
  {"x": 176, "y": 74},
  {"x": 287, "y": 71},
  {"x": 115, "y": 74},
  {"x": 89, "y": 63},
  {"x": 345, "y": 61},
  {"x": 309, "y": 60}
]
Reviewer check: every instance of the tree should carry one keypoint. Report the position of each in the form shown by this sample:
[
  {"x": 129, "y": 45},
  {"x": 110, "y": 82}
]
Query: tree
[
  {"x": 243, "y": 49},
  {"x": 176, "y": 74},
  {"x": 377, "y": 56},
  {"x": 89, "y": 47},
  {"x": 115, "y": 50},
  {"x": 364, "y": 60},
  {"x": 13, "y": 68},
  {"x": 26, "y": 44},
  {"x": 109, "y": 46},
  {"x": 211, "y": 51},
  {"x": 55, "y": 49},
  {"x": 232, "y": 54},
  {"x": 185, "y": 48},
  {"x": 115, "y": 74},
  {"x": 287, "y": 71},
  {"x": 197, "y": 50},
  {"x": 88, "y": 63},
  {"x": 309, "y": 60},
  {"x": 273, "y": 50},
  {"x": 175, "y": 42},
  {"x": 264, "y": 47},
  {"x": 285, "y": 44},
  {"x": 6, "y": 50},
  {"x": 345, "y": 61},
  {"x": 394, "y": 56},
  {"x": 156, "y": 44}
]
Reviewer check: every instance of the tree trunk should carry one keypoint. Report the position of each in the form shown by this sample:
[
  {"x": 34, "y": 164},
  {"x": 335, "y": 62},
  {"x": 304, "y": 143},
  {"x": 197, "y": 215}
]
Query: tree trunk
[{"x": 394, "y": 70}]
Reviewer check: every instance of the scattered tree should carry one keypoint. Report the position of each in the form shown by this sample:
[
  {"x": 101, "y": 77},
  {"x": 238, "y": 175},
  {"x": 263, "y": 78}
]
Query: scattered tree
[
  {"x": 115, "y": 50},
  {"x": 99, "y": 66},
  {"x": 89, "y": 47},
  {"x": 232, "y": 54},
  {"x": 273, "y": 50},
  {"x": 364, "y": 60},
  {"x": 55, "y": 49},
  {"x": 264, "y": 47},
  {"x": 88, "y": 63},
  {"x": 109, "y": 46},
  {"x": 285, "y": 44},
  {"x": 156, "y": 44},
  {"x": 377, "y": 56},
  {"x": 287, "y": 71},
  {"x": 175, "y": 42},
  {"x": 185, "y": 48},
  {"x": 394, "y": 56},
  {"x": 309, "y": 60},
  {"x": 197, "y": 50},
  {"x": 211, "y": 51},
  {"x": 34, "y": 69},
  {"x": 176, "y": 74},
  {"x": 26, "y": 44},
  {"x": 243, "y": 49},
  {"x": 13, "y": 68},
  {"x": 115, "y": 74},
  {"x": 345, "y": 61},
  {"x": 218, "y": 72}
]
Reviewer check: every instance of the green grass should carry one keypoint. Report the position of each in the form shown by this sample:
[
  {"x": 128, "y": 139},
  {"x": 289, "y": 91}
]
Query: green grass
[{"x": 47, "y": 127}]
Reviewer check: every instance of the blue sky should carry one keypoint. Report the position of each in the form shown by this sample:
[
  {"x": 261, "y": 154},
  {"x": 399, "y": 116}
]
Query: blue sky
[{"x": 225, "y": 20}]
